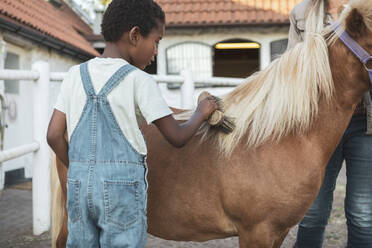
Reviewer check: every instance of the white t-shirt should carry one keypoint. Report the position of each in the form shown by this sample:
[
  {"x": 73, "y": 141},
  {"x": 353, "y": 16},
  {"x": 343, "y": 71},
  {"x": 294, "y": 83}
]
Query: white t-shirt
[{"x": 136, "y": 98}]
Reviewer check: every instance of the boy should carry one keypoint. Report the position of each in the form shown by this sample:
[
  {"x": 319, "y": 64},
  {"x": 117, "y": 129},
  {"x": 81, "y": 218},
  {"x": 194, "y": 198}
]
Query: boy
[{"x": 107, "y": 187}]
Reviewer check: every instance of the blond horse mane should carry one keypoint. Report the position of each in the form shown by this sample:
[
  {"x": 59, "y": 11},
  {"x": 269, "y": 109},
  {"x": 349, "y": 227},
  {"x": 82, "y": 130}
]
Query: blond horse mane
[
  {"x": 280, "y": 100},
  {"x": 364, "y": 8},
  {"x": 315, "y": 16}
]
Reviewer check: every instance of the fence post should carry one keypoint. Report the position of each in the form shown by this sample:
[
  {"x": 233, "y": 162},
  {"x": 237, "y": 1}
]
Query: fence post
[
  {"x": 41, "y": 158},
  {"x": 187, "y": 90}
]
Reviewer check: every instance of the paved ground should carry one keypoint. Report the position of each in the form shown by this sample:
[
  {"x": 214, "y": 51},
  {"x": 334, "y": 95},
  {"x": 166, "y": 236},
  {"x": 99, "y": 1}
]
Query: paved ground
[
  {"x": 16, "y": 221},
  {"x": 16, "y": 224}
]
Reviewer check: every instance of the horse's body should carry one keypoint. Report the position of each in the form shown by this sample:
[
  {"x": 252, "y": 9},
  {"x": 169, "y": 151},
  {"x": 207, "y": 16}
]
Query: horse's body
[
  {"x": 203, "y": 192},
  {"x": 256, "y": 194}
]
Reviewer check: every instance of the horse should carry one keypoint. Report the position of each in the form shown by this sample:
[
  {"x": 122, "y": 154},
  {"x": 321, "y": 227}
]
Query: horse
[{"x": 258, "y": 181}]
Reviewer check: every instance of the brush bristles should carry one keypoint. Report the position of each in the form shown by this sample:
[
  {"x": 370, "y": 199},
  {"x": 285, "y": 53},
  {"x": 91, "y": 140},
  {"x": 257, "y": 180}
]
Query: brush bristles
[
  {"x": 227, "y": 125},
  {"x": 218, "y": 120}
]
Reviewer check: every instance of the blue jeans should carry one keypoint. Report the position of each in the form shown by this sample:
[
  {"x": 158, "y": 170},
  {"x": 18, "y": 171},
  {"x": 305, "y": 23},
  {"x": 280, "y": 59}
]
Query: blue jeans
[{"x": 356, "y": 149}]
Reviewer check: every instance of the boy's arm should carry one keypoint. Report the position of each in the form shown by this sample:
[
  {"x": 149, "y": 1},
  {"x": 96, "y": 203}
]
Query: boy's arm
[
  {"x": 55, "y": 136},
  {"x": 179, "y": 134}
]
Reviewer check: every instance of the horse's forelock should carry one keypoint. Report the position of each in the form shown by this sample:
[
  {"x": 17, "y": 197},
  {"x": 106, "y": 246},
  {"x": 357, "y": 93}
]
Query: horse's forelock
[{"x": 357, "y": 16}]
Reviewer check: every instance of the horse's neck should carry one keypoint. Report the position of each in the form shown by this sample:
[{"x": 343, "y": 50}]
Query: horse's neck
[
  {"x": 348, "y": 76},
  {"x": 349, "y": 87},
  {"x": 330, "y": 126}
]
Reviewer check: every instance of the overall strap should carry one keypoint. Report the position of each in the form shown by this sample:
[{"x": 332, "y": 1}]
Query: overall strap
[
  {"x": 87, "y": 82},
  {"x": 116, "y": 78}
]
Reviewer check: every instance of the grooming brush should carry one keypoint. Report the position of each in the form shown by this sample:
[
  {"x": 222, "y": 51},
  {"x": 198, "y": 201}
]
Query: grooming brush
[{"x": 218, "y": 119}]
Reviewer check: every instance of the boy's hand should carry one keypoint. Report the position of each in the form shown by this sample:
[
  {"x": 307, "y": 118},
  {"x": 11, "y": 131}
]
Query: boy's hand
[
  {"x": 179, "y": 134},
  {"x": 206, "y": 107}
]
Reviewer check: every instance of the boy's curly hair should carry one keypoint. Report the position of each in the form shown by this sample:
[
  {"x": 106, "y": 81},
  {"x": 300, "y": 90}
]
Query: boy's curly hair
[{"x": 122, "y": 15}]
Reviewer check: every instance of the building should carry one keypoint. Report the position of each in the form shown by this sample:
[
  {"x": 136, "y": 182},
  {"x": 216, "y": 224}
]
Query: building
[
  {"x": 29, "y": 31},
  {"x": 228, "y": 38},
  {"x": 220, "y": 38}
]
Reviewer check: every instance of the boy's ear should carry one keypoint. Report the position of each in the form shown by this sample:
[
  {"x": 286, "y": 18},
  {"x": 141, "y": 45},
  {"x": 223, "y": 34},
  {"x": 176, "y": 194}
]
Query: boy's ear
[
  {"x": 134, "y": 35},
  {"x": 355, "y": 25}
]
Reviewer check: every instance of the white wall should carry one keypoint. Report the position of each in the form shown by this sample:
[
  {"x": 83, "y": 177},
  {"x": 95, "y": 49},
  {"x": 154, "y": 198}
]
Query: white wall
[
  {"x": 19, "y": 131},
  {"x": 263, "y": 36}
]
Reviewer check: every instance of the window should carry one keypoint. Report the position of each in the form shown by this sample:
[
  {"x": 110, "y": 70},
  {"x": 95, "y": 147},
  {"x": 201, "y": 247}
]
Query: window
[
  {"x": 12, "y": 62},
  {"x": 196, "y": 57},
  {"x": 236, "y": 58},
  {"x": 278, "y": 47}
]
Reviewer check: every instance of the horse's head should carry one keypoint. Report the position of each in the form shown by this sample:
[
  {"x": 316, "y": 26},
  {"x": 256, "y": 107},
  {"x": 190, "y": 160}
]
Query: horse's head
[{"x": 355, "y": 32}]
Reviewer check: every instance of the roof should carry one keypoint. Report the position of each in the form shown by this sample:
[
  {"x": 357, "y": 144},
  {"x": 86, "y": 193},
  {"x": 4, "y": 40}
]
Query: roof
[
  {"x": 62, "y": 23},
  {"x": 226, "y": 12}
]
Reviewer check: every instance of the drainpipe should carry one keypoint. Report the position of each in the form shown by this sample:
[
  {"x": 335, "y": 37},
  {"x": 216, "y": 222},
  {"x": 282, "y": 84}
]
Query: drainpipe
[
  {"x": 2, "y": 109},
  {"x": 98, "y": 11},
  {"x": 2, "y": 96}
]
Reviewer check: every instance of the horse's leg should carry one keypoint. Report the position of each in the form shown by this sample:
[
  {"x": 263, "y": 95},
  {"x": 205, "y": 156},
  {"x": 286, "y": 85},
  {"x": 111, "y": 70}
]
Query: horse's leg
[
  {"x": 63, "y": 233},
  {"x": 260, "y": 236},
  {"x": 279, "y": 242}
]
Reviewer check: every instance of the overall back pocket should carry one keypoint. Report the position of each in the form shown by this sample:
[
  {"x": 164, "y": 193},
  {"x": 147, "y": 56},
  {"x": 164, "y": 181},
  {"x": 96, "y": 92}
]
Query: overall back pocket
[
  {"x": 73, "y": 200},
  {"x": 121, "y": 202}
]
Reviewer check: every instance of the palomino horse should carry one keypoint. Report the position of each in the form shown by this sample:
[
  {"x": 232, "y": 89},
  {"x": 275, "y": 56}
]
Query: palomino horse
[{"x": 259, "y": 181}]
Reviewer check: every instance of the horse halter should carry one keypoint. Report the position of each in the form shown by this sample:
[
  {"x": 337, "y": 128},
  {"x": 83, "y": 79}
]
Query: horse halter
[{"x": 358, "y": 51}]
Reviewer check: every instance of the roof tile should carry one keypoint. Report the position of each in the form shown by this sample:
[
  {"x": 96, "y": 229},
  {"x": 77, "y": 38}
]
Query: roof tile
[
  {"x": 60, "y": 23},
  {"x": 226, "y": 12}
]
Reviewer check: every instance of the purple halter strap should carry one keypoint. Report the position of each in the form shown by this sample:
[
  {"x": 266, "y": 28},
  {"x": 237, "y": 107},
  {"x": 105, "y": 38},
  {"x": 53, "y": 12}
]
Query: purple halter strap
[{"x": 359, "y": 52}]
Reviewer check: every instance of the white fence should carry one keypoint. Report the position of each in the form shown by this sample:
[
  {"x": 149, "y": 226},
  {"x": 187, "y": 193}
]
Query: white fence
[{"x": 41, "y": 77}]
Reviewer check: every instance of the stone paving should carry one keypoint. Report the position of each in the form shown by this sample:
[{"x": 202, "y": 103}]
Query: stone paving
[
  {"x": 16, "y": 221},
  {"x": 16, "y": 225}
]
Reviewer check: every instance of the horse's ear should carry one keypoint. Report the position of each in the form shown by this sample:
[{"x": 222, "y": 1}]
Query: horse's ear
[{"x": 355, "y": 25}]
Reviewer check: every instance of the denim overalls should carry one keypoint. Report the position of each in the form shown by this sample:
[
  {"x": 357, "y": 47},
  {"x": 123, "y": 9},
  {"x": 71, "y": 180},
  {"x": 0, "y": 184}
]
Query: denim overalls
[{"x": 106, "y": 191}]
